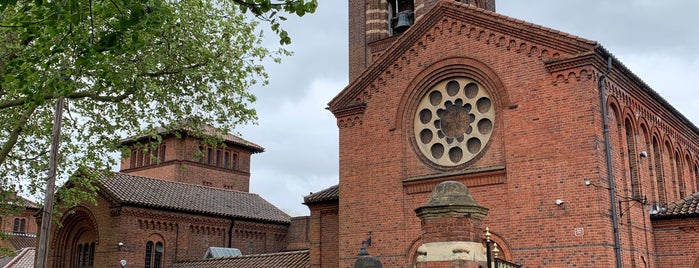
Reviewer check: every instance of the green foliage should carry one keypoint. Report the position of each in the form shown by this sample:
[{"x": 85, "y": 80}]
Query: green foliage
[{"x": 124, "y": 67}]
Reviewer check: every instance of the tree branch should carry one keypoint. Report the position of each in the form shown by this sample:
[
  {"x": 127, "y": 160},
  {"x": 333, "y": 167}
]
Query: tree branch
[{"x": 14, "y": 135}]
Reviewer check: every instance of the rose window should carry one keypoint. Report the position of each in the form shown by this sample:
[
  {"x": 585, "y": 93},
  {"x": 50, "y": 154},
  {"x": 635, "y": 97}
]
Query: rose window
[{"x": 454, "y": 122}]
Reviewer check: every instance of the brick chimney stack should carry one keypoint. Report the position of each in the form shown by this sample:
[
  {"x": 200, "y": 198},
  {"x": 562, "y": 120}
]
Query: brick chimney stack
[{"x": 451, "y": 229}]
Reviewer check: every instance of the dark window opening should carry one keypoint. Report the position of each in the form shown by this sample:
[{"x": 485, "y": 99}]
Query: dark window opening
[
  {"x": 161, "y": 155},
  {"x": 400, "y": 15},
  {"x": 154, "y": 254}
]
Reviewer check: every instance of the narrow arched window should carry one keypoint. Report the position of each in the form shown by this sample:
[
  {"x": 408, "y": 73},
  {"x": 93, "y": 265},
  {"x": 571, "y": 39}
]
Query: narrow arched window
[
  {"x": 15, "y": 226},
  {"x": 133, "y": 158},
  {"x": 158, "y": 255},
  {"x": 22, "y": 225},
  {"x": 209, "y": 156},
  {"x": 162, "y": 153},
  {"x": 657, "y": 158},
  {"x": 226, "y": 159},
  {"x": 633, "y": 164},
  {"x": 79, "y": 260},
  {"x": 234, "y": 162},
  {"x": 91, "y": 257},
  {"x": 154, "y": 254},
  {"x": 218, "y": 158},
  {"x": 149, "y": 254},
  {"x": 680, "y": 175}
]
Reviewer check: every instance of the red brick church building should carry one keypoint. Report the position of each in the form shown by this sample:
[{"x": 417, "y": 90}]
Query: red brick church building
[
  {"x": 178, "y": 201},
  {"x": 579, "y": 162}
]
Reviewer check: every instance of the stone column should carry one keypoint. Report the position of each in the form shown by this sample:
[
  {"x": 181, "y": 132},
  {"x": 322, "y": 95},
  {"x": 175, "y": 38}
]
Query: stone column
[{"x": 451, "y": 229}]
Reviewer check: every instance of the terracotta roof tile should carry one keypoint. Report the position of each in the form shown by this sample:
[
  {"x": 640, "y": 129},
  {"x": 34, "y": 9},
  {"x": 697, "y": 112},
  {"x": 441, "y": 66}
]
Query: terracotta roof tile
[
  {"x": 24, "y": 259},
  {"x": 328, "y": 194},
  {"x": 291, "y": 259},
  {"x": 190, "y": 198},
  {"x": 20, "y": 241},
  {"x": 687, "y": 207}
]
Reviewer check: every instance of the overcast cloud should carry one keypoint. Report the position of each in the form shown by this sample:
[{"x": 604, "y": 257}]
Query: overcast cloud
[{"x": 657, "y": 40}]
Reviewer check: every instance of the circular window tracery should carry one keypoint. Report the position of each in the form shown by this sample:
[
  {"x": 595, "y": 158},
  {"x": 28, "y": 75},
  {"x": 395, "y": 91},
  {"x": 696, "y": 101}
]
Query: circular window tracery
[{"x": 454, "y": 121}]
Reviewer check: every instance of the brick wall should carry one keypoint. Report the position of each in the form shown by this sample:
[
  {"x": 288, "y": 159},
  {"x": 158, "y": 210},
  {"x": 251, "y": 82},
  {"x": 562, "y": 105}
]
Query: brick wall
[
  {"x": 323, "y": 235},
  {"x": 184, "y": 236},
  {"x": 547, "y": 139},
  {"x": 182, "y": 162},
  {"x": 676, "y": 242}
]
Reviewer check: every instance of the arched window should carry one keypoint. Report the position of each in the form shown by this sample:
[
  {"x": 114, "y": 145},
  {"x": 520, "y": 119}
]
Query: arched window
[
  {"x": 657, "y": 159},
  {"x": 234, "y": 161},
  {"x": 218, "y": 158},
  {"x": 154, "y": 254},
  {"x": 133, "y": 158},
  {"x": 680, "y": 175},
  {"x": 19, "y": 226},
  {"x": 161, "y": 155},
  {"x": 226, "y": 159},
  {"x": 633, "y": 169},
  {"x": 209, "y": 156}
]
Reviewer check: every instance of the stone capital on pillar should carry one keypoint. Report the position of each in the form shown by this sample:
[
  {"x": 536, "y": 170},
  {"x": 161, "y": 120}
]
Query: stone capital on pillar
[{"x": 451, "y": 228}]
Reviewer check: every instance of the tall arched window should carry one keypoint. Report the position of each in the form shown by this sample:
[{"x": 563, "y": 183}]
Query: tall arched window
[
  {"x": 154, "y": 254},
  {"x": 680, "y": 175},
  {"x": 657, "y": 159},
  {"x": 161, "y": 155},
  {"x": 633, "y": 168},
  {"x": 696, "y": 175},
  {"x": 209, "y": 156}
]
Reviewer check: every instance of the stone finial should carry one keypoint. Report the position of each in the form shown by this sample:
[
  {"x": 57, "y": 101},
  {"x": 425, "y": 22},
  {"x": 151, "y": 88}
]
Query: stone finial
[
  {"x": 451, "y": 199},
  {"x": 367, "y": 261}
]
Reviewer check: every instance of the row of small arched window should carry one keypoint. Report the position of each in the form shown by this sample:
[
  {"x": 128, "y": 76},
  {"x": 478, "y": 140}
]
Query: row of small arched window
[
  {"x": 144, "y": 157},
  {"x": 220, "y": 158}
]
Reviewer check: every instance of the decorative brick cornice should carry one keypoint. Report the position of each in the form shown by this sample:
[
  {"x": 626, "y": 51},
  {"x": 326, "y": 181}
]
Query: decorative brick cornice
[
  {"x": 470, "y": 178},
  {"x": 169, "y": 216},
  {"x": 454, "y": 18}
]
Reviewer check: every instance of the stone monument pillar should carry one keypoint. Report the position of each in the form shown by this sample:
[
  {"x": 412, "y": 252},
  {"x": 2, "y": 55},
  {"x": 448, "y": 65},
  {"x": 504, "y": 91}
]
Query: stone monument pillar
[{"x": 451, "y": 229}]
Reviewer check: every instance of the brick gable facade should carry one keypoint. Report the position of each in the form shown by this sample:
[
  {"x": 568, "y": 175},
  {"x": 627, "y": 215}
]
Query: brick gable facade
[{"x": 546, "y": 140}]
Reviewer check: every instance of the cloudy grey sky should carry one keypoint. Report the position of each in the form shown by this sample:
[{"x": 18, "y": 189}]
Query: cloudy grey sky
[{"x": 657, "y": 40}]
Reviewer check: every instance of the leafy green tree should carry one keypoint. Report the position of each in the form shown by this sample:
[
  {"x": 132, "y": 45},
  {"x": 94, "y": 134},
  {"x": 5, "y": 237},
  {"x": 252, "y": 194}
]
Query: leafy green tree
[{"x": 124, "y": 67}]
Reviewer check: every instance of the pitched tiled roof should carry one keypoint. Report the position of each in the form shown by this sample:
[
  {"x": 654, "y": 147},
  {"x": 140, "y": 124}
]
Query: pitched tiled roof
[
  {"x": 329, "y": 194},
  {"x": 291, "y": 259},
  {"x": 687, "y": 207},
  {"x": 20, "y": 241},
  {"x": 189, "y": 198},
  {"x": 29, "y": 204},
  {"x": 24, "y": 259}
]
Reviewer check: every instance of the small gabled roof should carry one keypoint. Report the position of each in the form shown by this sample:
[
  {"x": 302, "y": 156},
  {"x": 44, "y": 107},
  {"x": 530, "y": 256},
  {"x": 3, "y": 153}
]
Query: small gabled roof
[
  {"x": 291, "y": 259},
  {"x": 219, "y": 252},
  {"x": 683, "y": 208},
  {"x": 329, "y": 194},
  {"x": 128, "y": 189},
  {"x": 535, "y": 34}
]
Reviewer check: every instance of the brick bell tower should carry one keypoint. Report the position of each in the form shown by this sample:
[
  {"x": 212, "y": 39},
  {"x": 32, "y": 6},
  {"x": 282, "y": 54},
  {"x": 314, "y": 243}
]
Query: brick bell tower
[{"x": 375, "y": 24}]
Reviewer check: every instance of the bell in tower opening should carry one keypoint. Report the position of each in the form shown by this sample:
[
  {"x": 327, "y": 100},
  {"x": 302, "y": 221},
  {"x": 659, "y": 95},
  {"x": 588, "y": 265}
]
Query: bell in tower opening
[{"x": 400, "y": 15}]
